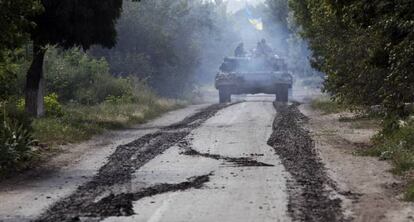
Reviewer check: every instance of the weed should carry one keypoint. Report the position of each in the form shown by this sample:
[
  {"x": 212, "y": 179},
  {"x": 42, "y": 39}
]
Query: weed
[
  {"x": 81, "y": 122},
  {"x": 409, "y": 193},
  {"x": 327, "y": 106},
  {"x": 396, "y": 146}
]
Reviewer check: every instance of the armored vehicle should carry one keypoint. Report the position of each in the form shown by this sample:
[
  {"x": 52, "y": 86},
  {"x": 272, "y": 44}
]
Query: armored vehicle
[{"x": 253, "y": 75}]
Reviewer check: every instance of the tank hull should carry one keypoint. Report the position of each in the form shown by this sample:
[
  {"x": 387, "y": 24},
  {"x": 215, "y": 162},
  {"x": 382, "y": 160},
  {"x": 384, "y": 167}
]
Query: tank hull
[
  {"x": 246, "y": 75},
  {"x": 253, "y": 83}
]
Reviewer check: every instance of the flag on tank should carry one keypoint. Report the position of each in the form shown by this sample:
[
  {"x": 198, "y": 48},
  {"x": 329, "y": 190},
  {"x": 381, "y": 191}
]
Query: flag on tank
[{"x": 255, "y": 21}]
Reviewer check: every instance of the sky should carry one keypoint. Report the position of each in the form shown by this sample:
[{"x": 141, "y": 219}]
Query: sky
[{"x": 235, "y": 5}]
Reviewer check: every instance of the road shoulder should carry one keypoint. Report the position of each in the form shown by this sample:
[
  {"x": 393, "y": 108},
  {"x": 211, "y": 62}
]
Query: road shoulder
[{"x": 373, "y": 192}]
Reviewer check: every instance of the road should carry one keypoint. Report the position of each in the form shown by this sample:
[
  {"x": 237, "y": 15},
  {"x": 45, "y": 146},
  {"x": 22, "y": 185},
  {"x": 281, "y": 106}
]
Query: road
[
  {"x": 250, "y": 160},
  {"x": 234, "y": 192},
  {"x": 213, "y": 166},
  {"x": 213, "y": 163}
]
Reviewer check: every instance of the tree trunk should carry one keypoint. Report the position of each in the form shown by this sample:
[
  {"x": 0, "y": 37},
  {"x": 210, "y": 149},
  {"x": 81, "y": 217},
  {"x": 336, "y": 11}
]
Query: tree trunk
[{"x": 35, "y": 83}]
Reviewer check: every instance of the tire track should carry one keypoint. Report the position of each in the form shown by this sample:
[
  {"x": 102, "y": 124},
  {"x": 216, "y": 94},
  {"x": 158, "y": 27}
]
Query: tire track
[
  {"x": 113, "y": 178},
  {"x": 309, "y": 198}
]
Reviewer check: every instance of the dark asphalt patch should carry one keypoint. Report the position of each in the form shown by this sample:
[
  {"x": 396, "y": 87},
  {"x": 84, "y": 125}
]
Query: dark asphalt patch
[
  {"x": 238, "y": 161},
  {"x": 117, "y": 172},
  {"x": 309, "y": 200}
]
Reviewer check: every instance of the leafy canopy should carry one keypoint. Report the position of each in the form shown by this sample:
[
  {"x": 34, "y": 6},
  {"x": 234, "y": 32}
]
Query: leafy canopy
[
  {"x": 69, "y": 23},
  {"x": 366, "y": 48}
]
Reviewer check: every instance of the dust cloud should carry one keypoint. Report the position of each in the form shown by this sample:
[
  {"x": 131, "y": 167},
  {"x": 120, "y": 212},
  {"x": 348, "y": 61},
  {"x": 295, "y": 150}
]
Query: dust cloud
[
  {"x": 179, "y": 53},
  {"x": 248, "y": 22}
]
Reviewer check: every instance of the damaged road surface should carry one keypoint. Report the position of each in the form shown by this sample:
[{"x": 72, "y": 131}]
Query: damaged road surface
[
  {"x": 223, "y": 163},
  {"x": 246, "y": 179},
  {"x": 212, "y": 166}
]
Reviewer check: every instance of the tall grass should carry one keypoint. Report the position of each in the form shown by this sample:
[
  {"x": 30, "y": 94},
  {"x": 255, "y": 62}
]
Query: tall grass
[
  {"x": 327, "y": 106},
  {"x": 81, "y": 122}
]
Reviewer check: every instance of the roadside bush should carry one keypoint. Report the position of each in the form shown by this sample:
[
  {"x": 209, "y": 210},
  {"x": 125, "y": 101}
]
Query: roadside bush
[
  {"x": 9, "y": 82},
  {"x": 16, "y": 141},
  {"x": 15, "y": 145},
  {"x": 51, "y": 105},
  {"x": 409, "y": 194},
  {"x": 80, "y": 122},
  {"x": 76, "y": 77},
  {"x": 327, "y": 106},
  {"x": 396, "y": 146}
]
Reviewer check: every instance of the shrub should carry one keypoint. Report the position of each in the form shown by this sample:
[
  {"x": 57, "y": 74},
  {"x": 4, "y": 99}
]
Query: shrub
[
  {"x": 16, "y": 143},
  {"x": 327, "y": 106},
  {"x": 396, "y": 146},
  {"x": 77, "y": 77},
  {"x": 51, "y": 105},
  {"x": 409, "y": 194}
]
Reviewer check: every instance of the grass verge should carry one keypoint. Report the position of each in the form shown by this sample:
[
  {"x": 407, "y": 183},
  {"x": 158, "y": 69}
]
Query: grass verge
[
  {"x": 362, "y": 121},
  {"x": 71, "y": 123},
  {"x": 396, "y": 147},
  {"x": 80, "y": 123},
  {"x": 409, "y": 193},
  {"x": 327, "y": 106}
]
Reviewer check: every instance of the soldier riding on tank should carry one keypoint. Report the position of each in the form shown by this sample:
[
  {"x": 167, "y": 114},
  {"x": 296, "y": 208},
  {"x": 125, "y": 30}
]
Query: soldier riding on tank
[
  {"x": 240, "y": 52},
  {"x": 263, "y": 49}
]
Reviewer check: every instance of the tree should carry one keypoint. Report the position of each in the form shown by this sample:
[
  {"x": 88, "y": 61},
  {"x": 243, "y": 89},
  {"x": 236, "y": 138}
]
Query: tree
[
  {"x": 366, "y": 48},
  {"x": 170, "y": 43},
  {"x": 67, "y": 23},
  {"x": 285, "y": 33},
  {"x": 14, "y": 24}
]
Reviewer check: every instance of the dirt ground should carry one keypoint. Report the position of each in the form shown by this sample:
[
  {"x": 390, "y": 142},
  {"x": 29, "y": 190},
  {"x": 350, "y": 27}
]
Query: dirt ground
[{"x": 372, "y": 192}]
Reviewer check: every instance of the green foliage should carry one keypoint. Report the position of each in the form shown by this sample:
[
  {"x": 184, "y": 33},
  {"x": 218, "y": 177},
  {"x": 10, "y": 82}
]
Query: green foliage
[
  {"x": 73, "y": 23},
  {"x": 76, "y": 77},
  {"x": 11, "y": 66},
  {"x": 284, "y": 34},
  {"x": 164, "y": 42},
  {"x": 14, "y": 23},
  {"x": 409, "y": 194},
  {"x": 16, "y": 142},
  {"x": 15, "y": 145},
  {"x": 81, "y": 122},
  {"x": 396, "y": 146},
  {"x": 77, "y": 23},
  {"x": 366, "y": 48},
  {"x": 6, "y": 77},
  {"x": 327, "y": 106},
  {"x": 52, "y": 105}
]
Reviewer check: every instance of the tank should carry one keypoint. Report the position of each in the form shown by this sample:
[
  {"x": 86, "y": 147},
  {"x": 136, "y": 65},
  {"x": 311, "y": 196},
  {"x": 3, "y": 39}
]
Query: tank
[{"x": 253, "y": 75}]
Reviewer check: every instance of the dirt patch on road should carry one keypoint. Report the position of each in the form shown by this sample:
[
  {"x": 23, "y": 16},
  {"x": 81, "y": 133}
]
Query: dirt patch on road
[
  {"x": 237, "y": 161},
  {"x": 115, "y": 176},
  {"x": 311, "y": 192},
  {"x": 121, "y": 204}
]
